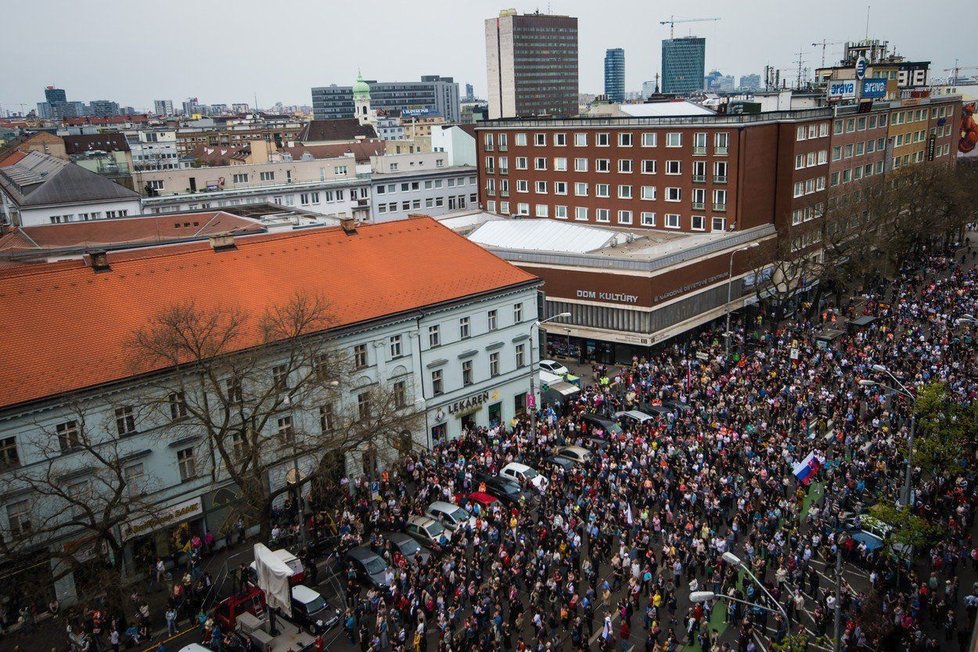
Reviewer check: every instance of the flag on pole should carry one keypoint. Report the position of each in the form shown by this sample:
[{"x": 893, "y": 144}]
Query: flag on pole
[{"x": 805, "y": 470}]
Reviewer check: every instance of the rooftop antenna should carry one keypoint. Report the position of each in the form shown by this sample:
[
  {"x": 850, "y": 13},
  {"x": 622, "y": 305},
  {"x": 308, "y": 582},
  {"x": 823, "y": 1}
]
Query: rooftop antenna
[
  {"x": 867, "y": 21},
  {"x": 800, "y": 61}
]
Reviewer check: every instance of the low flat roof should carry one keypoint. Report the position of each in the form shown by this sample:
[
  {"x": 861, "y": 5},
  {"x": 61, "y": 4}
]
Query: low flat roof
[{"x": 547, "y": 235}]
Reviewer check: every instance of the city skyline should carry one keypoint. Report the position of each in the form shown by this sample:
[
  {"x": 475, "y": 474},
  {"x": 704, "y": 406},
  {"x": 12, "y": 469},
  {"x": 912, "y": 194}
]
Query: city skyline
[{"x": 176, "y": 64}]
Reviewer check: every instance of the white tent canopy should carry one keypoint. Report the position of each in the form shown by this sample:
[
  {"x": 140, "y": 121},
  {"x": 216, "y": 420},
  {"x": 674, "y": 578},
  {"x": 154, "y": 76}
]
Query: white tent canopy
[
  {"x": 546, "y": 235},
  {"x": 273, "y": 579}
]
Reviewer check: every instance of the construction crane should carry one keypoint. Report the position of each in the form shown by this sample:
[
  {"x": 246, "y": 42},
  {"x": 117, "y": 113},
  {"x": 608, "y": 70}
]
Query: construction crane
[
  {"x": 824, "y": 43},
  {"x": 673, "y": 20},
  {"x": 957, "y": 69}
]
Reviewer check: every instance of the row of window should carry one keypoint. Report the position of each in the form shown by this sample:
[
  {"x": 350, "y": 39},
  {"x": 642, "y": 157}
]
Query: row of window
[
  {"x": 604, "y": 165},
  {"x": 603, "y": 191},
  {"x": 807, "y": 214},
  {"x": 856, "y": 173},
  {"x": 464, "y": 332},
  {"x": 455, "y": 202},
  {"x": 410, "y": 186},
  {"x": 85, "y": 217},
  {"x": 269, "y": 175},
  {"x": 849, "y": 125},
  {"x": 858, "y": 149},
  {"x": 721, "y": 140},
  {"x": 468, "y": 370},
  {"x": 808, "y": 186},
  {"x": 811, "y": 159},
  {"x": 812, "y": 131},
  {"x": 603, "y": 215}
]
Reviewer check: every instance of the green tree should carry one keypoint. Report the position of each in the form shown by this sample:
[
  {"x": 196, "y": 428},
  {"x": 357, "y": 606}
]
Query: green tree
[{"x": 945, "y": 431}]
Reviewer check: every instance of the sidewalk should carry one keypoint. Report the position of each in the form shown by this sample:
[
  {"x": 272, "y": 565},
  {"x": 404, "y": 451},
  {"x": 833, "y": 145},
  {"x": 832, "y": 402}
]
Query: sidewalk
[{"x": 49, "y": 633}]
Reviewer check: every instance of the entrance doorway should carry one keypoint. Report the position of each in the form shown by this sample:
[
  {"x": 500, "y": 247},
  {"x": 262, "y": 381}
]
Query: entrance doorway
[
  {"x": 439, "y": 434},
  {"x": 468, "y": 422}
]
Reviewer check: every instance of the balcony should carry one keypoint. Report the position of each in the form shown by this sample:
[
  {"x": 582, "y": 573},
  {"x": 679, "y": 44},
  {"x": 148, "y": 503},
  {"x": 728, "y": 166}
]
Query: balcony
[
  {"x": 719, "y": 207},
  {"x": 503, "y": 170},
  {"x": 504, "y": 193},
  {"x": 699, "y": 151},
  {"x": 720, "y": 151},
  {"x": 699, "y": 178},
  {"x": 698, "y": 205},
  {"x": 719, "y": 178}
]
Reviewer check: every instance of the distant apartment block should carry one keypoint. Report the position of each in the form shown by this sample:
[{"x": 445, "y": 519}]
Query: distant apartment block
[{"x": 433, "y": 92}]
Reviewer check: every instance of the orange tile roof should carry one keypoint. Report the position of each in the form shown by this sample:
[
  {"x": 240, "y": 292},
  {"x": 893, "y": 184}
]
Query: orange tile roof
[
  {"x": 114, "y": 231},
  {"x": 64, "y": 328}
]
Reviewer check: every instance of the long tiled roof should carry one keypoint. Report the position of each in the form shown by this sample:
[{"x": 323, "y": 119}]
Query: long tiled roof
[{"x": 64, "y": 327}]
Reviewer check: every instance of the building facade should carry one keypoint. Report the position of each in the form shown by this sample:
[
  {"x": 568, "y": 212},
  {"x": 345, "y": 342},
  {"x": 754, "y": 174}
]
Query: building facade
[
  {"x": 433, "y": 92},
  {"x": 163, "y": 107},
  {"x": 614, "y": 75},
  {"x": 683, "y": 64},
  {"x": 455, "y": 353},
  {"x": 395, "y": 195},
  {"x": 329, "y": 187},
  {"x": 532, "y": 65}
]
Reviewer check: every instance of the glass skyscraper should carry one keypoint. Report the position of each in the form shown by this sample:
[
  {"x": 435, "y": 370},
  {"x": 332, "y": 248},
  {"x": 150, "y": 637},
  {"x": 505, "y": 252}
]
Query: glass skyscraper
[
  {"x": 614, "y": 75},
  {"x": 683, "y": 65}
]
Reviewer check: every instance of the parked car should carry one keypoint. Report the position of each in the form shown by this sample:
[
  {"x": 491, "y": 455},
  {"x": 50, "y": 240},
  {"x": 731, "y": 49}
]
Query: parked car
[
  {"x": 607, "y": 425},
  {"x": 523, "y": 473},
  {"x": 678, "y": 406},
  {"x": 576, "y": 453},
  {"x": 412, "y": 551},
  {"x": 560, "y": 461},
  {"x": 251, "y": 600},
  {"x": 450, "y": 515},
  {"x": 507, "y": 491},
  {"x": 427, "y": 530},
  {"x": 553, "y": 367},
  {"x": 480, "y": 498},
  {"x": 311, "y": 610},
  {"x": 635, "y": 417},
  {"x": 369, "y": 566}
]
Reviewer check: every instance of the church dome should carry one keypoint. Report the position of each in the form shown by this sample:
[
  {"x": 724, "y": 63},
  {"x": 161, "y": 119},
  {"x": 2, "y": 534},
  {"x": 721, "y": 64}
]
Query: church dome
[{"x": 361, "y": 88}]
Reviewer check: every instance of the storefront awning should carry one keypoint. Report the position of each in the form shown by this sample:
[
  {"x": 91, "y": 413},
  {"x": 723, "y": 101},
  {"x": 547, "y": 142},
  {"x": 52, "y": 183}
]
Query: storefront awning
[{"x": 564, "y": 389}]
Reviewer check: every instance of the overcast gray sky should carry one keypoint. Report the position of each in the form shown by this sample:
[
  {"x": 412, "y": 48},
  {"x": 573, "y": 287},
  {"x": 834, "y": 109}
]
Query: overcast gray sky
[{"x": 135, "y": 51}]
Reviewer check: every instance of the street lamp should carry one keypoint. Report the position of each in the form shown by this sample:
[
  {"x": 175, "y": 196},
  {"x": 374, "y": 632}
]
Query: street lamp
[
  {"x": 907, "y": 394},
  {"x": 730, "y": 292},
  {"x": 735, "y": 561},
  {"x": 706, "y": 596},
  {"x": 533, "y": 412}
]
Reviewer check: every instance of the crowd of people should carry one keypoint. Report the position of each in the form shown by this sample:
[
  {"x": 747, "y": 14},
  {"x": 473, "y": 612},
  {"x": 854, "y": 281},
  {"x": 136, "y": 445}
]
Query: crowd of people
[{"x": 609, "y": 553}]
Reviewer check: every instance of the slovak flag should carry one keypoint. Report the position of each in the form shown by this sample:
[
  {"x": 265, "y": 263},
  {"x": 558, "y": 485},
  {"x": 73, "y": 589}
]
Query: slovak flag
[{"x": 806, "y": 469}]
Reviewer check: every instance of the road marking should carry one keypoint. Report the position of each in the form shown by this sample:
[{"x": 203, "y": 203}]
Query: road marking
[{"x": 157, "y": 644}]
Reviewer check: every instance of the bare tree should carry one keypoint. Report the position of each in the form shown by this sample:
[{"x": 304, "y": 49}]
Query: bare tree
[
  {"x": 83, "y": 492},
  {"x": 264, "y": 392}
]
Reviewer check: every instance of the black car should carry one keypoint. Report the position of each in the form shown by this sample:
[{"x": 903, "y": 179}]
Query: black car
[
  {"x": 312, "y": 611},
  {"x": 607, "y": 425},
  {"x": 679, "y": 407},
  {"x": 507, "y": 491},
  {"x": 562, "y": 462},
  {"x": 369, "y": 566},
  {"x": 408, "y": 546}
]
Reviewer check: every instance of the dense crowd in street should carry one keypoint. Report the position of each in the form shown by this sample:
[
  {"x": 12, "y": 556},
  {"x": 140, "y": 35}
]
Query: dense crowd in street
[
  {"x": 609, "y": 553},
  {"x": 614, "y": 546}
]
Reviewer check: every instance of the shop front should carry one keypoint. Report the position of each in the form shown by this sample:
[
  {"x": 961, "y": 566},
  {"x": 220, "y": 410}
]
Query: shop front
[
  {"x": 482, "y": 408},
  {"x": 166, "y": 534}
]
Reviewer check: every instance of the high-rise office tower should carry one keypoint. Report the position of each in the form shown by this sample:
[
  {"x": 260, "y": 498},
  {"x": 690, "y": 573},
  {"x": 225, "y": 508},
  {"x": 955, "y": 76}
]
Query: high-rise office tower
[
  {"x": 55, "y": 95},
  {"x": 163, "y": 107},
  {"x": 531, "y": 62},
  {"x": 614, "y": 75},
  {"x": 683, "y": 64}
]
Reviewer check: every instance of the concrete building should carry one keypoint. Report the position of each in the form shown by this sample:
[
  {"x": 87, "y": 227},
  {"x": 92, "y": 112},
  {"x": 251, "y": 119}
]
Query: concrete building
[
  {"x": 614, "y": 75},
  {"x": 107, "y": 154},
  {"x": 457, "y": 141},
  {"x": 434, "y": 191},
  {"x": 153, "y": 149},
  {"x": 451, "y": 336},
  {"x": 103, "y": 108},
  {"x": 329, "y": 187},
  {"x": 41, "y": 189},
  {"x": 532, "y": 65},
  {"x": 683, "y": 65},
  {"x": 433, "y": 92},
  {"x": 750, "y": 83},
  {"x": 163, "y": 107}
]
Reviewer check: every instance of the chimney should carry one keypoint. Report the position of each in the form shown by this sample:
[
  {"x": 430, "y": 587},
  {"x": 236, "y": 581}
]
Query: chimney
[
  {"x": 349, "y": 224},
  {"x": 100, "y": 261},
  {"x": 222, "y": 242}
]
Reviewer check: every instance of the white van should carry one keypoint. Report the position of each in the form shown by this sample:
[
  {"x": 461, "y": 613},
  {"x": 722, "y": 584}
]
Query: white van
[
  {"x": 290, "y": 560},
  {"x": 451, "y": 516}
]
